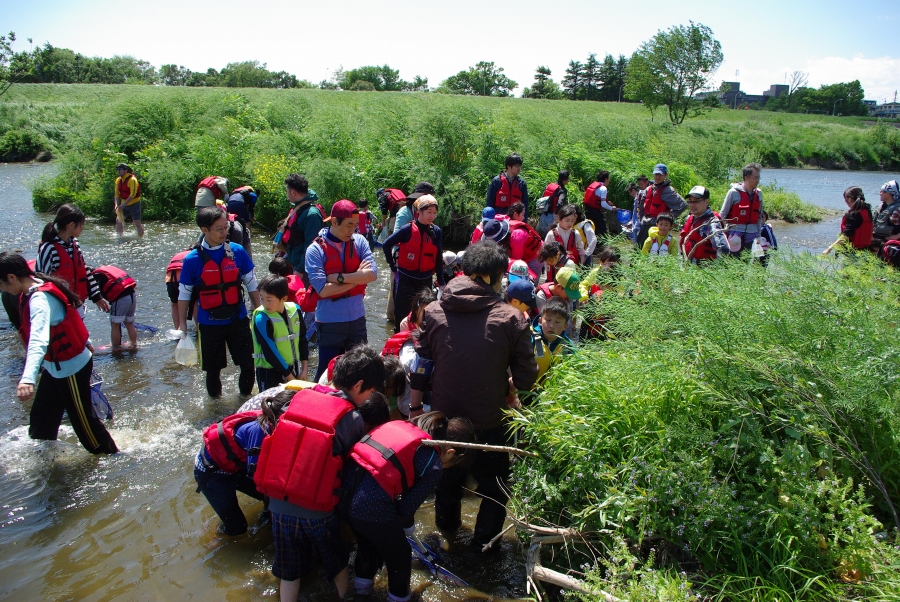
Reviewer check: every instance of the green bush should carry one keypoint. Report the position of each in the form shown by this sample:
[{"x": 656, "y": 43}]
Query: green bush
[{"x": 21, "y": 145}]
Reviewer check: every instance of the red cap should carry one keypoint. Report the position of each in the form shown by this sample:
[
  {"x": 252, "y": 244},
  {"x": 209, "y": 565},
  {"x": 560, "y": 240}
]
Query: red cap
[{"x": 343, "y": 209}]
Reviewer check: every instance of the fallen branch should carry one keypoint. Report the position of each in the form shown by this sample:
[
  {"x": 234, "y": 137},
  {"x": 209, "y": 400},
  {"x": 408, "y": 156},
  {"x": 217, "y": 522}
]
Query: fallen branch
[
  {"x": 535, "y": 572},
  {"x": 543, "y": 530},
  {"x": 488, "y": 545},
  {"x": 481, "y": 446}
]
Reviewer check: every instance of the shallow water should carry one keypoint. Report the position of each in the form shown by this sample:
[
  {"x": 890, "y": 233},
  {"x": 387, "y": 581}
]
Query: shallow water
[{"x": 131, "y": 527}]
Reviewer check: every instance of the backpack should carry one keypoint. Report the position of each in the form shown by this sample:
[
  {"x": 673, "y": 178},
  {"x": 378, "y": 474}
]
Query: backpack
[
  {"x": 890, "y": 253},
  {"x": 542, "y": 205}
]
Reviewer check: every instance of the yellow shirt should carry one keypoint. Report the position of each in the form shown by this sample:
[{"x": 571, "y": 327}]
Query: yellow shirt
[{"x": 133, "y": 187}]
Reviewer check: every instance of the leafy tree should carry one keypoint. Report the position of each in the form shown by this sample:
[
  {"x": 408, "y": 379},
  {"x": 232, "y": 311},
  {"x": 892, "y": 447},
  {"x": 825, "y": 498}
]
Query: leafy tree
[
  {"x": 673, "y": 66},
  {"x": 572, "y": 81},
  {"x": 6, "y": 53},
  {"x": 174, "y": 75},
  {"x": 612, "y": 74},
  {"x": 544, "y": 87},
  {"x": 484, "y": 79},
  {"x": 383, "y": 78},
  {"x": 418, "y": 84},
  {"x": 362, "y": 85},
  {"x": 590, "y": 78}
]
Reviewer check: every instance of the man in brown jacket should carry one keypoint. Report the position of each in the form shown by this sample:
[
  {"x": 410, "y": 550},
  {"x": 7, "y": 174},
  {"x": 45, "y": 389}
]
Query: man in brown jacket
[{"x": 471, "y": 342}]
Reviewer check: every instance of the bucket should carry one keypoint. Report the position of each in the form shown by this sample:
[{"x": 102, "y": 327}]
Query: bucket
[{"x": 624, "y": 216}]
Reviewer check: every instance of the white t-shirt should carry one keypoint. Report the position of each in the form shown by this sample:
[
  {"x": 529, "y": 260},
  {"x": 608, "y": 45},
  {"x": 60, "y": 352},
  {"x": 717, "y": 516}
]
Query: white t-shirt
[{"x": 601, "y": 192}]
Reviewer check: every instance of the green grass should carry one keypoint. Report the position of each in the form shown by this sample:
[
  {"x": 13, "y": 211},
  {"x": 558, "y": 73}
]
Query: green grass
[{"x": 350, "y": 144}]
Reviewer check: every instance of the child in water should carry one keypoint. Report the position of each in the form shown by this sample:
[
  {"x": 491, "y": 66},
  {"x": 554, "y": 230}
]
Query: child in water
[
  {"x": 280, "y": 349},
  {"x": 117, "y": 287}
]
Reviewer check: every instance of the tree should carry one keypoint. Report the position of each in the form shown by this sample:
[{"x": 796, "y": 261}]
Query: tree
[
  {"x": 484, "y": 79},
  {"x": 6, "y": 53},
  {"x": 572, "y": 81},
  {"x": 672, "y": 67},
  {"x": 796, "y": 82},
  {"x": 612, "y": 74},
  {"x": 382, "y": 78},
  {"x": 590, "y": 78},
  {"x": 418, "y": 84}
]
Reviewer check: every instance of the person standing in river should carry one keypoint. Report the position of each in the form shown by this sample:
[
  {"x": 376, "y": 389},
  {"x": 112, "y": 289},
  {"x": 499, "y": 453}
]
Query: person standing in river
[
  {"x": 508, "y": 188},
  {"x": 127, "y": 199},
  {"x": 303, "y": 222}
]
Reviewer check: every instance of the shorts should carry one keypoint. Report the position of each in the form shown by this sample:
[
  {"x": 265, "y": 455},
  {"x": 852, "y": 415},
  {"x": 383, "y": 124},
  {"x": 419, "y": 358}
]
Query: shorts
[
  {"x": 294, "y": 539},
  {"x": 122, "y": 309},
  {"x": 342, "y": 334},
  {"x": 213, "y": 340},
  {"x": 172, "y": 289},
  {"x": 132, "y": 211}
]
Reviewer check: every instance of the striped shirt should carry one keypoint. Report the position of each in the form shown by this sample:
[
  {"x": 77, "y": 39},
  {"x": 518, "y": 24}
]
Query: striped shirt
[{"x": 48, "y": 263}]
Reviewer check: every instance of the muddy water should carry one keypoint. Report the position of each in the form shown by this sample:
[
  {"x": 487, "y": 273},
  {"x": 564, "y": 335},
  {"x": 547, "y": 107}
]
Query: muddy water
[{"x": 130, "y": 527}]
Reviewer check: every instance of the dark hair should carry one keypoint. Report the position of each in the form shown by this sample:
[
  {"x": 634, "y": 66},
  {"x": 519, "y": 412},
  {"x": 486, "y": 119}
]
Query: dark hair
[
  {"x": 15, "y": 264},
  {"x": 517, "y": 207},
  {"x": 513, "y": 159},
  {"x": 297, "y": 183},
  {"x": 207, "y": 216},
  {"x": 274, "y": 285},
  {"x": 485, "y": 258},
  {"x": 632, "y": 187},
  {"x": 643, "y": 178},
  {"x": 420, "y": 300},
  {"x": 458, "y": 429},
  {"x": 550, "y": 249},
  {"x": 859, "y": 199},
  {"x": 280, "y": 266},
  {"x": 563, "y": 175},
  {"x": 666, "y": 216},
  {"x": 556, "y": 306},
  {"x": 749, "y": 168},
  {"x": 609, "y": 254},
  {"x": 273, "y": 407},
  {"x": 394, "y": 376},
  {"x": 565, "y": 211},
  {"x": 363, "y": 204},
  {"x": 65, "y": 215},
  {"x": 362, "y": 363},
  {"x": 375, "y": 410},
  {"x": 601, "y": 175}
]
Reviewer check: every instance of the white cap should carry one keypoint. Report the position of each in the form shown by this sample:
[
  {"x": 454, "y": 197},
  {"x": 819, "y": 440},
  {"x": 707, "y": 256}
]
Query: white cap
[{"x": 700, "y": 192}]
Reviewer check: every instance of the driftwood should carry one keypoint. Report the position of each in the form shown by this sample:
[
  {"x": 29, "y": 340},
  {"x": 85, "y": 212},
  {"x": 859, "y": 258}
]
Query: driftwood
[
  {"x": 543, "y": 530},
  {"x": 536, "y": 572},
  {"x": 481, "y": 446}
]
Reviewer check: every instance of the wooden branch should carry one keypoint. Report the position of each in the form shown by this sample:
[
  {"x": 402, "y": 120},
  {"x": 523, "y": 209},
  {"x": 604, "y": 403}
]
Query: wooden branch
[
  {"x": 543, "y": 530},
  {"x": 488, "y": 545},
  {"x": 535, "y": 572},
  {"x": 481, "y": 446}
]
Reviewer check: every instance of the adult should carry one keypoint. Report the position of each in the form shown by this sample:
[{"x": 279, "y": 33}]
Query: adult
[
  {"x": 508, "y": 187},
  {"x": 56, "y": 341},
  {"x": 596, "y": 205},
  {"x": 339, "y": 264},
  {"x": 303, "y": 224},
  {"x": 471, "y": 331},
  {"x": 59, "y": 254},
  {"x": 557, "y": 195},
  {"x": 242, "y": 205},
  {"x": 702, "y": 237},
  {"x": 127, "y": 199},
  {"x": 518, "y": 240},
  {"x": 405, "y": 214},
  {"x": 213, "y": 274},
  {"x": 742, "y": 210},
  {"x": 887, "y": 220},
  {"x": 209, "y": 190},
  {"x": 390, "y": 200},
  {"x": 420, "y": 255},
  {"x": 659, "y": 197}
]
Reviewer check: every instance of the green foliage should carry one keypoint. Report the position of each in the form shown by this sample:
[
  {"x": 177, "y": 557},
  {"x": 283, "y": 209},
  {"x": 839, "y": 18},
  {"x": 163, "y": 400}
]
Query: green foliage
[
  {"x": 744, "y": 423},
  {"x": 484, "y": 79},
  {"x": 544, "y": 87},
  {"x": 21, "y": 145},
  {"x": 845, "y": 98}
]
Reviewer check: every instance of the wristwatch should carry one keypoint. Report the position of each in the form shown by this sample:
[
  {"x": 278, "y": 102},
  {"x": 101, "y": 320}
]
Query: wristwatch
[{"x": 340, "y": 279}]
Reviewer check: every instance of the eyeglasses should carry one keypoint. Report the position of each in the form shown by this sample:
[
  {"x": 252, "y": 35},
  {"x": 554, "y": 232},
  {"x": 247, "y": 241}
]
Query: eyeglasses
[{"x": 218, "y": 230}]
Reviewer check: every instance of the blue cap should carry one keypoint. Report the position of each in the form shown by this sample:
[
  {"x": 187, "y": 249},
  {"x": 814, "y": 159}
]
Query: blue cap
[
  {"x": 660, "y": 168},
  {"x": 522, "y": 290},
  {"x": 487, "y": 213},
  {"x": 496, "y": 230}
]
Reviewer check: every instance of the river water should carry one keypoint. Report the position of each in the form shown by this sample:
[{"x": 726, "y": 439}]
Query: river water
[{"x": 130, "y": 526}]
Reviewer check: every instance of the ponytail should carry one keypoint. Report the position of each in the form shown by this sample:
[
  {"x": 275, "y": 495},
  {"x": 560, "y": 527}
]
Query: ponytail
[
  {"x": 63, "y": 286},
  {"x": 273, "y": 407},
  {"x": 65, "y": 215}
]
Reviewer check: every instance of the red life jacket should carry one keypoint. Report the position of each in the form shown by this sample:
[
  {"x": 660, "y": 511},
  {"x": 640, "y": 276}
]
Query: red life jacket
[
  {"x": 507, "y": 195},
  {"x": 393, "y": 345},
  {"x": 387, "y": 454},
  {"x": 363, "y": 226},
  {"x": 296, "y": 462},
  {"x": 176, "y": 263},
  {"x": 334, "y": 265},
  {"x": 116, "y": 282},
  {"x": 219, "y": 291},
  {"x": 395, "y": 198},
  {"x": 548, "y": 294},
  {"x": 295, "y": 287},
  {"x": 72, "y": 269},
  {"x": 221, "y": 446},
  {"x": 653, "y": 202},
  {"x": 292, "y": 219},
  {"x": 533, "y": 243},
  {"x": 571, "y": 249},
  {"x": 419, "y": 253},
  {"x": 125, "y": 190},
  {"x": 67, "y": 339},
  {"x": 746, "y": 211},
  {"x": 210, "y": 183},
  {"x": 590, "y": 196},
  {"x": 862, "y": 236},
  {"x": 705, "y": 251}
]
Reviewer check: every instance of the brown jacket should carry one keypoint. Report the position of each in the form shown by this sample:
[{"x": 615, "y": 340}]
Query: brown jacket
[{"x": 473, "y": 338}]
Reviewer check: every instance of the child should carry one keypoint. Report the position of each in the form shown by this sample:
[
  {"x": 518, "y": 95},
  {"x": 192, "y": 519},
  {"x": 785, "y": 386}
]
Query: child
[
  {"x": 420, "y": 301},
  {"x": 227, "y": 460},
  {"x": 585, "y": 229},
  {"x": 403, "y": 346},
  {"x": 56, "y": 341},
  {"x": 549, "y": 334},
  {"x": 367, "y": 222},
  {"x": 564, "y": 234},
  {"x": 520, "y": 294},
  {"x": 396, "y": 387},
  {"x": 660, "y": 240},
  {"x": 280, "y": 349},
  {"x": 553, "y": 257},
  {"x": 857, "y": 225},
  {"x": 320, "y": 430},
  {"x": 566, "y": 286},
  {"x": 117, "y": 287},
  {"x": 380, "y": 517},
  {"x": 282, "y": 267}
]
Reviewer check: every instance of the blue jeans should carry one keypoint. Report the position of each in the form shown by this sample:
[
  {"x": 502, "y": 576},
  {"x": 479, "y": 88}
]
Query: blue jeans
[{"x": 221, "y": 493}]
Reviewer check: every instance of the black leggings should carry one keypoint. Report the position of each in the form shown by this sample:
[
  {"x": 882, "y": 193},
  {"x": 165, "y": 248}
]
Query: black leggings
[
  {"x": 71, "y": 395},
  {"x": 404, "y": 293},
  {"x": 383, "y": 543}
]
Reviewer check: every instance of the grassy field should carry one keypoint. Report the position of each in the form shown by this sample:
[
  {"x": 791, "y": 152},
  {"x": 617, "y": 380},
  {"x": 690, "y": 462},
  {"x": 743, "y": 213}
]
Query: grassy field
[{"x": 351, "y": 143}]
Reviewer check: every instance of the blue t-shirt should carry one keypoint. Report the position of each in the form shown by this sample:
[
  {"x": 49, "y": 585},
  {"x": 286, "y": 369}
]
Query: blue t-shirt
[
  {"x": 336, "y": 310},
  {"x": 193, "y": 268},
  {"x": 248, "y": 436}
]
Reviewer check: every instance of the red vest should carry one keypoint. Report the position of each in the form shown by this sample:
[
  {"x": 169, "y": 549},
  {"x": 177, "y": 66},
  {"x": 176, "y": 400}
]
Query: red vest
[
  {"x": 571, "y": 249},
  {"x": 746, "y": 211},
  {"x": 653, "y": 203},
  {"x": 590, "y": 197},
  {"x": 393, "y": 345},
  {"x": 707, "y": 250},
  {"x": 862, "y": 236},
  {"x": 72, "y": 269},
  {"x": 296, "y": 462},
  {"x": 507, "y": 195},
  {"x": 548, "y": 294},
  {"x": 419, "y": 253},
  {"x": 292, "y": 219},
  {"x": 67, "y": 339},
  {"x": 533, "y": 243},
  {"x": 552, "y": 190},
  {"x": 387, "y": 454},
  {"x": 210, "y": 182},
  {"x": 221, "y": 446},
  {"x": 117, "y": 282},
  {"x": 295, "y": 287},
  {"x": 220, "y": 285},
  {"x": 125, "y": 190},
  {"x": 396, "y": 197},
  {"x": 175, "y": 264},
  {"x": 334, "y": 265},
  {"x": 363, "y": 226}
]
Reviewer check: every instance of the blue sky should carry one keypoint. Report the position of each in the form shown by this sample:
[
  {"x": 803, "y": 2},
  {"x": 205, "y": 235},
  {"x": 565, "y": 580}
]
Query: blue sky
[{"x": 763, "y": 40}]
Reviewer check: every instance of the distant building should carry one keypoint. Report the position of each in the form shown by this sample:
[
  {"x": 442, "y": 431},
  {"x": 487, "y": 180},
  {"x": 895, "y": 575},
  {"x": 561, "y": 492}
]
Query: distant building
[
  {"x": 776, "y": 90},
  {"x": 890, "y": 110},
  {"x": 733, "y": 97}
]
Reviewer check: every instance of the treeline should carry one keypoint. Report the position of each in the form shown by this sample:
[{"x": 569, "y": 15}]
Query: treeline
[{"x": 844, "y": 98}]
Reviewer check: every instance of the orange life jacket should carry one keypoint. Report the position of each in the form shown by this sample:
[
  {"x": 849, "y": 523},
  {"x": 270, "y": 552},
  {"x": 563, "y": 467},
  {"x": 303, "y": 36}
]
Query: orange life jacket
[
  {"x": 507, "y": 195},
  {"x": 746, "y": 210},
  {"x": 67, "y": 339},
  {"x": 387, "y": 454},
  {"x": 419, "y": 253},
  {"x": 394, "y": 344},
  {"x": 862, "y": 236},
  {"x": 707, "y": 250},
  {"x": 590, "y": 196},
  {"x": 114, "y": 282},
  {"x": 210, "y": 183},
  {"x": 125, "y": 190},
  {"x": 221, "y": 446},
  {"x": 219, "y": 291},
  {"x": 533, "y": 243},
  {"x": 571, "y": 249},
  {"x": 72, "y": 269},
  {"x": 653, "y": 202},
  {"x": 334, "y": 265}
]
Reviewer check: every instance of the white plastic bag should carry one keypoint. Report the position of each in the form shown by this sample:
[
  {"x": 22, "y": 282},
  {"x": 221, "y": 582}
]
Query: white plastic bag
[{"x": 186, "y": 352}]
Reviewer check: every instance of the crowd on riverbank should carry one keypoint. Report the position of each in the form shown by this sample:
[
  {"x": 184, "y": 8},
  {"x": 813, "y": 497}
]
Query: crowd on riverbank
[{"x": 476, "y": 333}]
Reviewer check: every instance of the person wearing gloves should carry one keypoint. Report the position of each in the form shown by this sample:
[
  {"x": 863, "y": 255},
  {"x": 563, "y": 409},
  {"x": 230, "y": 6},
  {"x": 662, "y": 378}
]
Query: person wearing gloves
[
  {"x": 887, "y": 220},
  {"x": 742, "y": 210}
]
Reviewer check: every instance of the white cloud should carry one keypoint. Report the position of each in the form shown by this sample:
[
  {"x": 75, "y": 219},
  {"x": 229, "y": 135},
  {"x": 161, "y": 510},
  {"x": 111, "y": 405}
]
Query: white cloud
[{"x": 879, "y": 77}]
